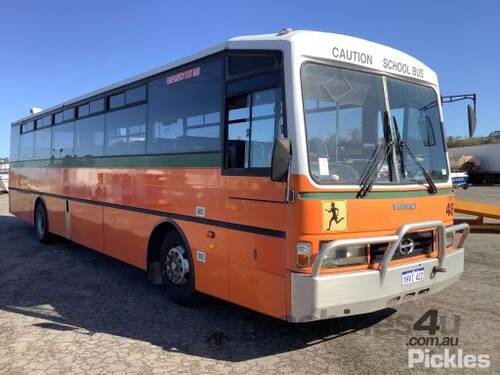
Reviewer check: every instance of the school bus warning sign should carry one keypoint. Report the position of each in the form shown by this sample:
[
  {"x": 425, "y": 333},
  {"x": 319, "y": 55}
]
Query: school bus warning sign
[{"x": 334, "y": 214}]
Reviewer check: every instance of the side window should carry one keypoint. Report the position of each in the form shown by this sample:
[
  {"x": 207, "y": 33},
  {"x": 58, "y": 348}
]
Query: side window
[
  {"x": 126, "y": 131},
  {"x": 15, "y": 133},
  {"x": 254, "y": 120},
  {"x": 184, "y": 113},
  {"x": 43, "y": 140},
  {"x": 62, "y": 140},
  {"x": 89, "y": 136},
  {"x": 26, "y": 147}
]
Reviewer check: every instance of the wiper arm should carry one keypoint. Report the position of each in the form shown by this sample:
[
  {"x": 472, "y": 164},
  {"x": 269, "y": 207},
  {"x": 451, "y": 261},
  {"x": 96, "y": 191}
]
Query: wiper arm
[
  {"x": 371, "y": 170},
  {"x": 403, "y": 145},
  {"x": 431, "y": 185}
]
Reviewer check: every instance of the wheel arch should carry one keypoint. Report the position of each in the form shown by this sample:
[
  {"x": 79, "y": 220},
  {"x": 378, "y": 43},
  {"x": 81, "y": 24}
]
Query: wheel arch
[
  {"x": 39, "y": 200},
  {"x": 156, "y": 237}
]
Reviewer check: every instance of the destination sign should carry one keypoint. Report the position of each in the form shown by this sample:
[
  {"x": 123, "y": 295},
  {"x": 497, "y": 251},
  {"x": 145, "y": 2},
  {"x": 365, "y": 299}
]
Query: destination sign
[{"x": 392, "y": 65}]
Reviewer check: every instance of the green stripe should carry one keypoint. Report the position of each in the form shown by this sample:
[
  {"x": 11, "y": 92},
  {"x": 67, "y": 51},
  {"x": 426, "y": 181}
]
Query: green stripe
[
  {"x": 372, "y": 194},
  {"x": 199, "y": 160}
]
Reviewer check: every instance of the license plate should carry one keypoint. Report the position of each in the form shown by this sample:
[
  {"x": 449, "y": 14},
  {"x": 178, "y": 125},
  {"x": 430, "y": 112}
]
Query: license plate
[{"x": 412, "y": 276}]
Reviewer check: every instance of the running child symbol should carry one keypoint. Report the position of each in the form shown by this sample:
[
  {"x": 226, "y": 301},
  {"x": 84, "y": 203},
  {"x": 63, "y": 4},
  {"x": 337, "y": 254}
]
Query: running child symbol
[{"x": 334, "y": 211}]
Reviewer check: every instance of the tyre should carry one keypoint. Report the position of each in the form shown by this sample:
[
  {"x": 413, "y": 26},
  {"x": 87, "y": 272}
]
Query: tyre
[
  {"x": 42, "y": 224},
  {"x": 177, "y": 270}
]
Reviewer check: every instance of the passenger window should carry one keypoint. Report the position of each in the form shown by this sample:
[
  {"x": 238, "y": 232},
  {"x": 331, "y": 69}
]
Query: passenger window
[
  {"x": 58, "y": 117},
  {"x": 29, "y": 126},
  {"x": 26, "y": 148},
  {"x": 126, "y": 131},
  {"x": 62, "y": 140},
  {"x": 83, "y": 110},
  {"x": 135, "y": 95},
  {"x": 69, "y": 114},
  {"x": 47, "y": 120},
  {"x": 96, "y": 106},
  {"x": 43, "y": 139},
  {"x": 254, "y": 120},
  {"x": 185, "y": 110},
  {"x": 116, "y": 101},
  {"x": 89, "y": 136},
  {"x": 14, "y": 142}
]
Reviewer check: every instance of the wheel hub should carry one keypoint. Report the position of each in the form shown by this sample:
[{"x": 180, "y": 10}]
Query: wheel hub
[{"x": 177, "y": 265}]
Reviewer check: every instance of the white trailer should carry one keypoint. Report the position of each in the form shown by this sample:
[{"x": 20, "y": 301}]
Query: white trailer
[{"x": 489, "y": 161}]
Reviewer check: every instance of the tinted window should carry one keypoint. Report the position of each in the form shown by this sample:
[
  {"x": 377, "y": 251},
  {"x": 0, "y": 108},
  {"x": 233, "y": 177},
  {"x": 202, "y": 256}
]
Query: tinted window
[
  {"x": 38, "y": 124},
  {"x": 62, "y": 140},
  {"x": 254, "y": 120},
  {"x": 116, "y": 101},
  {"x": 58, "y": 117},
  {"x": 43, "y": 143},
  {"x": 14, "y": 142},
  {"x": 69, "y": 114},
  {"x": 241, "y": 64},
  {"x": 126, "y": 131},
  {"x": 184, "y": 110},
  {"x": 96, "y": 106},
  {"x": 135, "y": 95},
  {"x": 26, "y": 148},
  {"x": 89, "y": 136},
  {"x": 47, "y": 120},
  {"x": 28, "y": 127},
  {"x": 83, "y": 110}
]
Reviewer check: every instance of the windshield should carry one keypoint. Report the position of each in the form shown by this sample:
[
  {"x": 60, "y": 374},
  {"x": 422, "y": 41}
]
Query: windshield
[{"x": 344, "y": 116}]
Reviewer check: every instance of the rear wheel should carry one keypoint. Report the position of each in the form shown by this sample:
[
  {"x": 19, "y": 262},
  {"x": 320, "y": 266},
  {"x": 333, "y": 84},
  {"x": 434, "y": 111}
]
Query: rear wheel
[
  {"x": 41, "y": 224},
  {"x": 177, "y": 269}
]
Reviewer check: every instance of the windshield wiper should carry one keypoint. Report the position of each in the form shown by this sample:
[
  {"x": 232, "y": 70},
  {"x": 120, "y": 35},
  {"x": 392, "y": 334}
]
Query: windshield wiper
[
  {"x": 431, "y": 186},
  {"x": 370, "y": 172}
]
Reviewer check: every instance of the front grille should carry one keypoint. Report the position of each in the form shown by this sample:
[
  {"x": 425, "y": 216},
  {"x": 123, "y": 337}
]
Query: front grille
[{"x": 422, "y": 244}]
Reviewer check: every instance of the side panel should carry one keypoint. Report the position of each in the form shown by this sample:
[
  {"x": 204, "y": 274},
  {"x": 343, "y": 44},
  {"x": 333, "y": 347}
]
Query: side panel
[
  {"x": 212, "y": 274},
  {"x": 258, "y": 290},
  {"x": 86, "y": 225},
  {"x": 21, "y": 205},
  {"x": 56, "y": 209},
  {"x": 261, "y": 252},
  {"x": 126, "y": 235}
]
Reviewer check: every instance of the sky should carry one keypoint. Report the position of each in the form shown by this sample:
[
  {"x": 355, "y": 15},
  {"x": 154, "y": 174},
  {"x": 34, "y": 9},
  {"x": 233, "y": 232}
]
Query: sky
[{"x": 52, "y": 51}]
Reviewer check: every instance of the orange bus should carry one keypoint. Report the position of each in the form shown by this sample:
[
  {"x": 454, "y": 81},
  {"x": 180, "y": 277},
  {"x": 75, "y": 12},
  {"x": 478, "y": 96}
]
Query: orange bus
[{"x": 302, "y": 174}]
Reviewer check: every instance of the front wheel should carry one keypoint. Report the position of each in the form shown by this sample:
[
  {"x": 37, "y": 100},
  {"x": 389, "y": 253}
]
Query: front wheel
[
  {"x": 42, "y": 224},
  {"x": 177, "y": 270}
]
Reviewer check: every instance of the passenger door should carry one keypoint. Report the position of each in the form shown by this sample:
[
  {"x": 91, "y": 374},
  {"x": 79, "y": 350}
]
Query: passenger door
[{"x": 253, "y": 120}]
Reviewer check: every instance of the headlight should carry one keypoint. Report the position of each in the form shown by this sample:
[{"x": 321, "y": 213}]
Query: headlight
[
  {"x": 449, "y": 239},
  {"x": 346, "y": 256},
  {"x": 303, "y": 254}
]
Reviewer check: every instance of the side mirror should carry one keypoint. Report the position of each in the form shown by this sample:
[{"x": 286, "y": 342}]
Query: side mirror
[
  {"x": 426, "y": 131},
  {"x": 282, "y": 155},
  {"x": 471, "y": 115}
]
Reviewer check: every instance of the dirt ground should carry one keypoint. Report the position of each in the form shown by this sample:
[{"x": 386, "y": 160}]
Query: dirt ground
[{"x": 66, "y": 309}]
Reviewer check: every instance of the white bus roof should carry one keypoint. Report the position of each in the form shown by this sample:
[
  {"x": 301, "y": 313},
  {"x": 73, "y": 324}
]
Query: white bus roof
[{"x": 313, "y": 44}]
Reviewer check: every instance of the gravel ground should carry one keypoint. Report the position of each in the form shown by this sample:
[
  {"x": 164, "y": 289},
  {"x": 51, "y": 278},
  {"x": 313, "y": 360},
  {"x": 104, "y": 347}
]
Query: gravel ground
[{"x": 65, "y": 309}]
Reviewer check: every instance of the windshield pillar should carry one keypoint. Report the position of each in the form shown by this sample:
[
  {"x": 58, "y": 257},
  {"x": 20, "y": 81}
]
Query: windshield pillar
[{"x": 394, "y": 156}]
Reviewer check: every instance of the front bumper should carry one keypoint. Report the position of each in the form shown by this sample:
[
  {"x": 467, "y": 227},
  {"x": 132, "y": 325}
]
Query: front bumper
[{"x": 316, "y": 296}]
